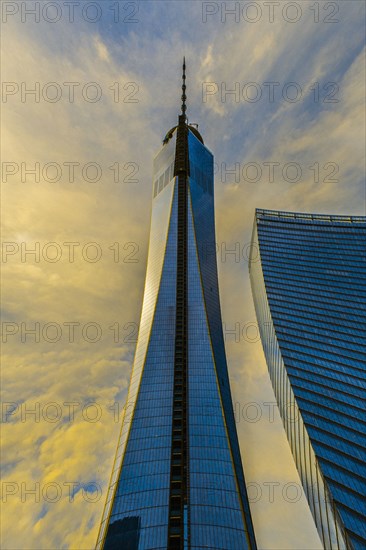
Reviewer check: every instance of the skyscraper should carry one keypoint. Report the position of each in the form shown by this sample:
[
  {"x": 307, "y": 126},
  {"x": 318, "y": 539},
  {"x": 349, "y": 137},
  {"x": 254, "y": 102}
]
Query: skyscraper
[
  {"x": 177, "y": 481},
  {"x": 308, "y": 277}
]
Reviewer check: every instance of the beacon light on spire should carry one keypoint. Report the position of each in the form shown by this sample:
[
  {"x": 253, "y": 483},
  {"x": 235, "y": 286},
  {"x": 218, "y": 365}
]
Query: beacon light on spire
[{"x": 178, "y": 481}]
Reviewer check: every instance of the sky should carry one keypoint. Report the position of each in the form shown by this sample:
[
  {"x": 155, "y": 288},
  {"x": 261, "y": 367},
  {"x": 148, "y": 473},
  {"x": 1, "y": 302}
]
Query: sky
[{"x": 278, "y": 92}]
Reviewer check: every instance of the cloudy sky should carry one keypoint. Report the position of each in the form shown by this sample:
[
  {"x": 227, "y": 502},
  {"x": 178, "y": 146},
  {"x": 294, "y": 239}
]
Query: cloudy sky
[{"x": 278, "y": 91}]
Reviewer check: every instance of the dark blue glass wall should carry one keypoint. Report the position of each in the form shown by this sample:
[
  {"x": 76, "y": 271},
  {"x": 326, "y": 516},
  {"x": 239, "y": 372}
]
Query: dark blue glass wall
[
  {"x": 309, "y": 288},
  {"x": 219, "y": 510}
]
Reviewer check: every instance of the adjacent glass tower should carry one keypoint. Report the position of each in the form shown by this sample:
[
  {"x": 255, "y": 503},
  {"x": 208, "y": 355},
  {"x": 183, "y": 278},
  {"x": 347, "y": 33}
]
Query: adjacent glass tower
[
  {"x": 178, "y": 481},
  {"x": 308, "y": 277}
]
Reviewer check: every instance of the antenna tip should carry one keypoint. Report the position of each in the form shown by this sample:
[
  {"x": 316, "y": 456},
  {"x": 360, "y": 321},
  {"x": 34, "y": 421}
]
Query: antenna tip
[{"x": 184, "y": 97}]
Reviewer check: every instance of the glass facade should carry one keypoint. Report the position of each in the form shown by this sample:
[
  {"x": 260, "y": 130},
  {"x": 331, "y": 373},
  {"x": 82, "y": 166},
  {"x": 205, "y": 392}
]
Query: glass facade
[
  {"x": 178, "y": 480},
  {"x": 217, "y": 496},
  {"x": 308, "y": 277},
  {"x": 140, "y": 490}
]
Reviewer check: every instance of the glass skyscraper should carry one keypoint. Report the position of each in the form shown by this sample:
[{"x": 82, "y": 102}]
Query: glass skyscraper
[
  {"x": 177, "y": 480},
  {"x": 308, "y": 277}
]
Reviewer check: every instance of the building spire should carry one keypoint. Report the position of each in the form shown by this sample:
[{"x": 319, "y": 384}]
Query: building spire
[{"x": 184, "y": 97}]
